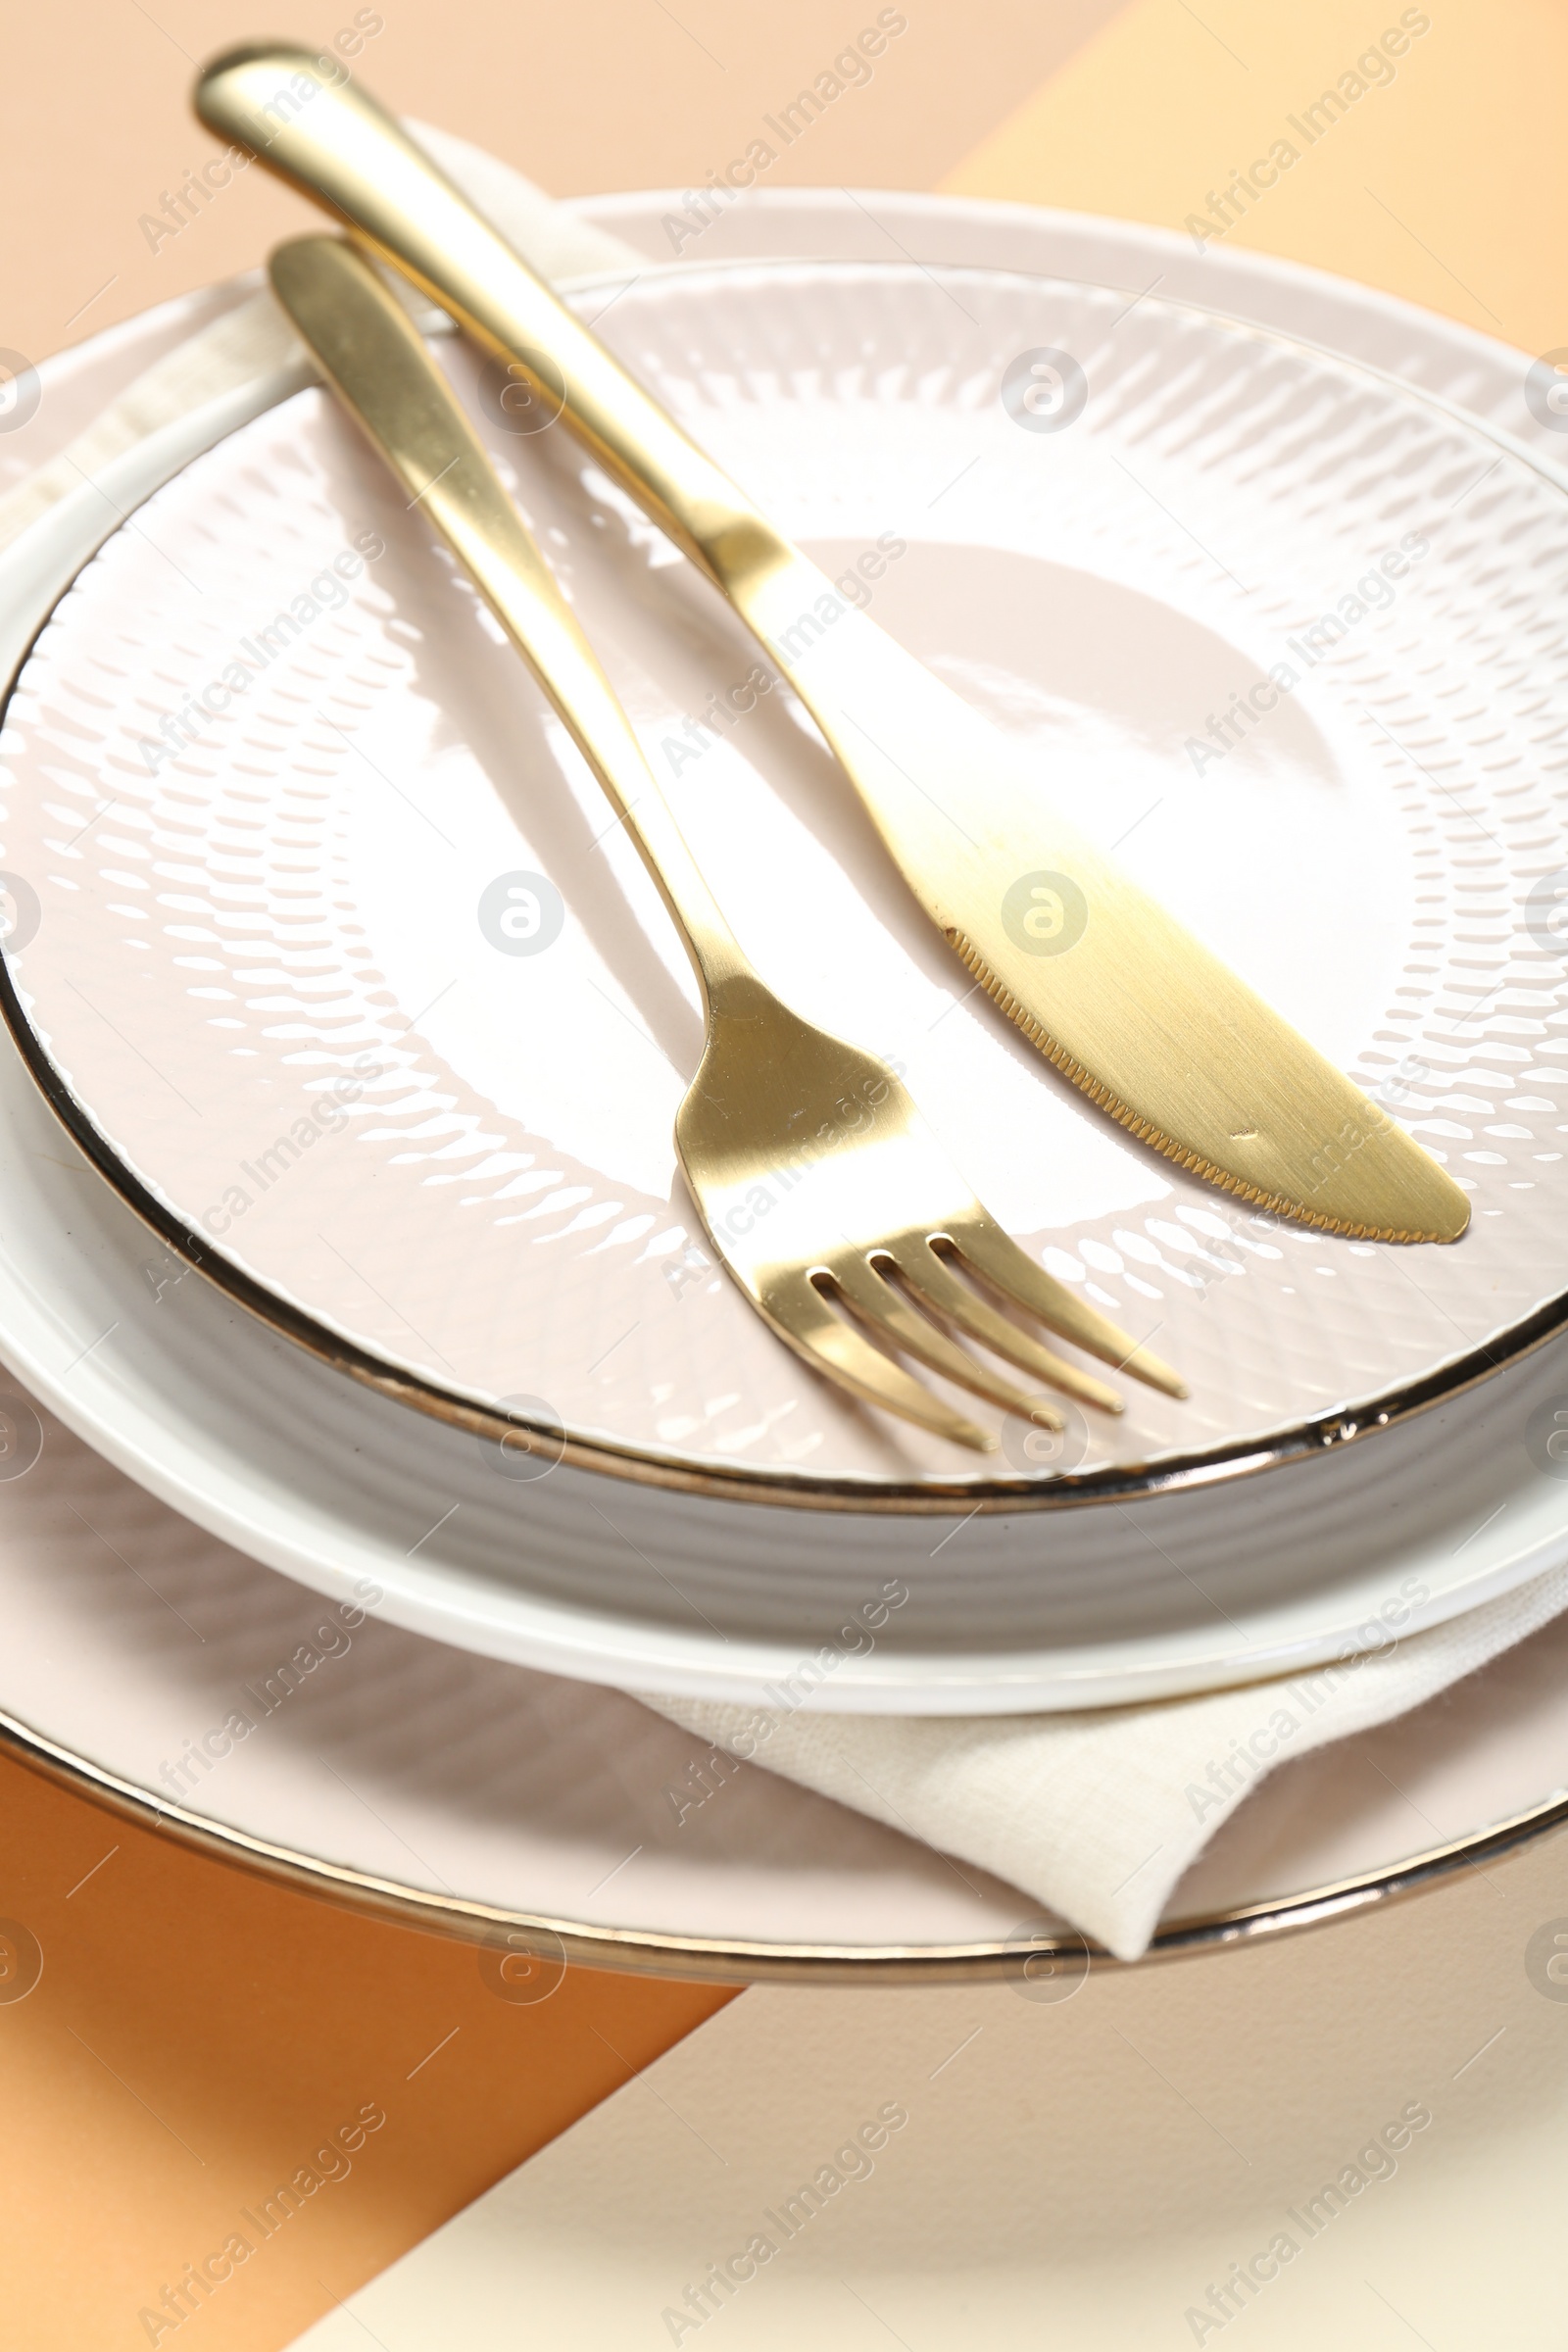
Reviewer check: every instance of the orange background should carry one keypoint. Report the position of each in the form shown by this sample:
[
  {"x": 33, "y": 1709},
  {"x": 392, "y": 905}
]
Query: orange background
[{"x": 198, "y": 2033}]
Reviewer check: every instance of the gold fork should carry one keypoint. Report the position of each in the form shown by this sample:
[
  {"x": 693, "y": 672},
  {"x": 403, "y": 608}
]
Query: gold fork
[{"x": 821, "y": 1186}]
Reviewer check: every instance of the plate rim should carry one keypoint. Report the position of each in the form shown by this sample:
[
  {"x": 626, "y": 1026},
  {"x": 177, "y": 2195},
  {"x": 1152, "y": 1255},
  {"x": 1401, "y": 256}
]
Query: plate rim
[
  {"x": 727, "y": 1960},
  {"x": 770, "y": 1487}
]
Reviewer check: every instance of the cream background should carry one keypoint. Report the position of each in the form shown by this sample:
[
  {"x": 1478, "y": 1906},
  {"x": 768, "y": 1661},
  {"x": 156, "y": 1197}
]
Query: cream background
[{"x": 1073, "y": 2173}]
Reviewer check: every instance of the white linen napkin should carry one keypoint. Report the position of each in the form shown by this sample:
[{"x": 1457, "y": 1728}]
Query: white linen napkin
[
  {"x": 1095, "y": 1814},
  {"x": 1098, "y": 1814}
]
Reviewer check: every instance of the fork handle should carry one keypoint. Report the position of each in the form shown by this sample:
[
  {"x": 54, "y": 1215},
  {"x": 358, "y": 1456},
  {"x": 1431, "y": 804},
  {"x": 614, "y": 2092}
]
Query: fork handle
[
  {"x": 371, "y": 355},
  {"x": 337, "y": 145}
]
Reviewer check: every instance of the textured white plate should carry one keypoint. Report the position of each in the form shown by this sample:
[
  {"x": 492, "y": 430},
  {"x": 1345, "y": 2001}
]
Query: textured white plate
[
  {"x": 276, "y": 966},
  {"x": 614, "y": 1582}
]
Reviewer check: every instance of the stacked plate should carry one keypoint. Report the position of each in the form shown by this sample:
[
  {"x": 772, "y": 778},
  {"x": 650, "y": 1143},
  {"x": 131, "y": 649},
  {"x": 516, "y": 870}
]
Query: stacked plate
[{"x": 345, "y": 1036}]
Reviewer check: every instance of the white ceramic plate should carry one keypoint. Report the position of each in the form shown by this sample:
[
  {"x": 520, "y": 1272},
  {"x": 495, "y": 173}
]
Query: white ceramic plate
[
  {"x": 457, "y": 1793},
  {"x": 616, "y": 1582},
  {"x": 356, "y": 984},
  {"x": 652, "y": 1588}
]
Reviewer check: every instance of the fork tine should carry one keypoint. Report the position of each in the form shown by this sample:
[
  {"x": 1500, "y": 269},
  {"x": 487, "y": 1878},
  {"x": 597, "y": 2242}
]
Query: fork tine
[
  {"x": 889, "y": 1314},
  {"x": 834, "y": 1347},
  {"x": 934, "y": 1283},
  {"x": 996, "y": 1258}
]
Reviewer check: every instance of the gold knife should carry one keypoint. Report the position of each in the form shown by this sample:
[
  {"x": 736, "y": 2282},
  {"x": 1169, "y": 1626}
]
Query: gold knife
[{"x": 1154, "y": 1028}]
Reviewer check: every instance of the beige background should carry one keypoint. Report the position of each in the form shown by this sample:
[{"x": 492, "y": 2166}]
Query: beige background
[
  {"x": 196, "y": 2032},
  {"x": 593, "y": 95},
  {"x": 1448, "y": 186}
]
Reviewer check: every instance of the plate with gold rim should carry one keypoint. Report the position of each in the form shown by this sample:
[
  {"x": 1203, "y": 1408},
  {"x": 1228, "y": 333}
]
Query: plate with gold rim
[
  {"x": 342, "y": 970},
  {"x": 197, "y": 1693}
]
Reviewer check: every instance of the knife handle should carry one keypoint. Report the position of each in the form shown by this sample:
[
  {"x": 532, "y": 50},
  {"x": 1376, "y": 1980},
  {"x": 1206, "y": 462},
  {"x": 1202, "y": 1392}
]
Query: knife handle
[
  {"x": 881, "y": 711},
  {"x": 334, "y": 143},
  {"x": 883, "y": 715}
]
